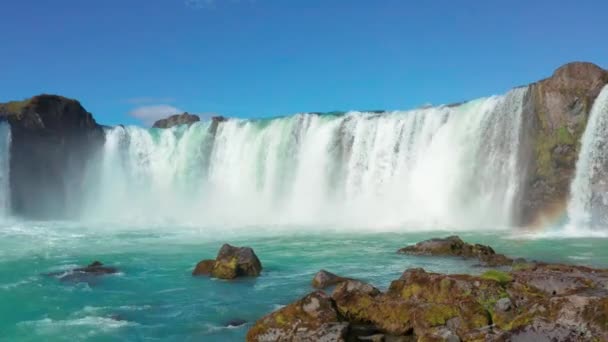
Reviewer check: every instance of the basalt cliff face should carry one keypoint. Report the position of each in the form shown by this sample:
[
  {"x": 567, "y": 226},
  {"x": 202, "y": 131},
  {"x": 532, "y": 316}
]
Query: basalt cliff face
[
  {"x": 555, "y": 115},
  {"x": 176, "y": 120},
  {"x": 53, "y": 138}
]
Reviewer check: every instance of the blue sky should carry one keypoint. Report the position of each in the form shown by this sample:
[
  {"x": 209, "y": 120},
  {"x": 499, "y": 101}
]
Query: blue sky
[{"x": 252, "y": 58}]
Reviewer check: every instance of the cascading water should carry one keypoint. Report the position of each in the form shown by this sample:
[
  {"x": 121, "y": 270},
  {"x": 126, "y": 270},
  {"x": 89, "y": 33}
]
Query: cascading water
[
  {"x": 448, "y": 166},
  {"x": 5, "y": 143},
  {"x": 588, "y": 206}
]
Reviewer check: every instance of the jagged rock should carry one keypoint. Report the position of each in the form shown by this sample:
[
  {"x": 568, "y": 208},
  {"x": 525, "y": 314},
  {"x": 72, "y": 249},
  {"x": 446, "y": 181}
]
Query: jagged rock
[
  {"x": 454, "y": 246},
  {"x": 53, "y": 138},
  {"x": 176, "y": 120},
  {"x": 324, "y": 279},
  {"x": 312, "y": 318},
  {"x": 204, "y": 267},
  {"x": 231, "y": 262}
]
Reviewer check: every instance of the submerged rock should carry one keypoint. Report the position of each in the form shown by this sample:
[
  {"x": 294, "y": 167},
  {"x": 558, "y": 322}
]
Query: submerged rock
[
  {"x": 312, "y": 318},
  {"x": 235, "y": 322},
  {"x": 231, "y": 262},
  {"x": 87, "y": 274},
  {"x": 454, "y": 246},
  {"x": 324, "y": 279}
]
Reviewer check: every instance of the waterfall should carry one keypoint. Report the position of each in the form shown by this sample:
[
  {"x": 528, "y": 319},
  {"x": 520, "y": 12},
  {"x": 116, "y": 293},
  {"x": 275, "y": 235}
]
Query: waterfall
[
  {"x": 446, "y": 166},
  {"x": 588, "y": 206},
  {"x": 5, "y": 144}
]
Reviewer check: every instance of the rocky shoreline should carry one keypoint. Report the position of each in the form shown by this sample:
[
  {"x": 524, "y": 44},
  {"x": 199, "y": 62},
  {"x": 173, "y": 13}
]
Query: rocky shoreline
[{"x": 521, "y": 301}]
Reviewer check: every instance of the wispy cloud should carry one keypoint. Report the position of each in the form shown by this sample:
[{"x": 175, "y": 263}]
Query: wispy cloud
[
  {"x": 147, "y": 100},
  {"x": 149, "y": 114}
]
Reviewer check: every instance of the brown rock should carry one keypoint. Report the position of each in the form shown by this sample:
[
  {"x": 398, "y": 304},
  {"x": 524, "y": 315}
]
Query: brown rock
[
  {"x": 454, "y": 246},
  {"x": 176, "y": 120},
  {"x": 312, "y": 318},
  {"x": 324, "y": 279},
  {"x": 203, "y": 268}
]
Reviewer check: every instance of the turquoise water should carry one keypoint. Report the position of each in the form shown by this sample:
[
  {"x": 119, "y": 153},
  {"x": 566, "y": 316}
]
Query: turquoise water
[{"x": 155, "y": 298}]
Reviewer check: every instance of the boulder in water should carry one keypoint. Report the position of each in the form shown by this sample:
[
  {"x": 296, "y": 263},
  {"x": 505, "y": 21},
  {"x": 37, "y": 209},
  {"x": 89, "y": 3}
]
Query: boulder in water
[
  {"x": 324, "y": 279},
  {"x": 231, "y": 262},
  {"x": 204, "y": 267},
  {"x": 454, "y": 246}
]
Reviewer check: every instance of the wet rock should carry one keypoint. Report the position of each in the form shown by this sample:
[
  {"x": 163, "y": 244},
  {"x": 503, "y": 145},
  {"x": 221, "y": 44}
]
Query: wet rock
[
  {"x": 176, "y": 120},
  {"x": 324, "y": 279},
  {"x": 235, "y": 322},
  {"x": 204, "y": 267},
  {"x": 231, "y": 262},
  {"x": 87, "y": 274},
  {"x": 312, "y": 318},
  {"x": 97, "y": 268},
  {"x": 455, "y": 247}
]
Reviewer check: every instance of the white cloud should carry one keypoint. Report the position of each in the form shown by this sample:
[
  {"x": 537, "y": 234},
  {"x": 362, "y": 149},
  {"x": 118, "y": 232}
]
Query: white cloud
[
  {"x": 147, "y": 100},
  {"x": 149, "y": 114}
]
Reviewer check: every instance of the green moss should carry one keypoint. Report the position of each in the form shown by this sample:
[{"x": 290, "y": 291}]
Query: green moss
[
  {"x": 411, "y": 291},
  {"x": 439, "y": 314},
  {"x": 16, "y": 106},
  {"x": 501, "y": 277}
]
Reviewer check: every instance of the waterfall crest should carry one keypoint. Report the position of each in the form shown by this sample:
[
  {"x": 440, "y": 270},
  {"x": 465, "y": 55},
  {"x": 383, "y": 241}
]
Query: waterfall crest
[
  {"x": 588, "y": 206},
  {"x": 447, "y": 166}
]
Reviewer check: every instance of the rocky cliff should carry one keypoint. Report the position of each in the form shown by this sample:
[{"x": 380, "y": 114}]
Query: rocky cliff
[
  {"x": 176, "y": 120},
  {"x": 53, "y": 137},
  {"x": 555, "y": 116}
]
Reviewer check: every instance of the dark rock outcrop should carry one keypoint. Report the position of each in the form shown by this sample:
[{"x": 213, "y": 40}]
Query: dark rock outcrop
[
  {"x": 324, "y": 279},
  {"x": 176, "y": 120},
  {"x": 555, "y": 115},
  {"x": 455, "y": 247},
  {"x": 53, "y": 138},
  {"x": 231, "y": 262}
]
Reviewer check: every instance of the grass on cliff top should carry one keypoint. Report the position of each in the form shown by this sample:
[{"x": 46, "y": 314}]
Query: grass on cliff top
[
  {"x": 15, "y": 107},
  {"x": 501, "y": 277}
]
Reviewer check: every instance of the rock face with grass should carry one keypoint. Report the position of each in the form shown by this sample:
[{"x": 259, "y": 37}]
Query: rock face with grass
[
  {"x": 53, "y": 139},
  {"x": 526, "y": 302},
  {"x": 176, "y": 120},
  {"x": 555, "y": 115},
  {"x": 231, "y": 262},
  {"x": 454, "y": 246}
]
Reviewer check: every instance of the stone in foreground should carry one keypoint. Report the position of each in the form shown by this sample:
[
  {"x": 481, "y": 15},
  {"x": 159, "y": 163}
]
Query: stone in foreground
[
  {"x": 231, "y": 262},
  {"x": 312, "y": 318},
  {"x": 454, "y": 246},
  {"x": 324, "y": 279}
]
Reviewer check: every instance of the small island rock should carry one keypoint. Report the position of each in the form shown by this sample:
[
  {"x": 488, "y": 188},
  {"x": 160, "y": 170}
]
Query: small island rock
[
  {"x": 231, "y": 262},
  {"x": 454, "y": 246}
]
